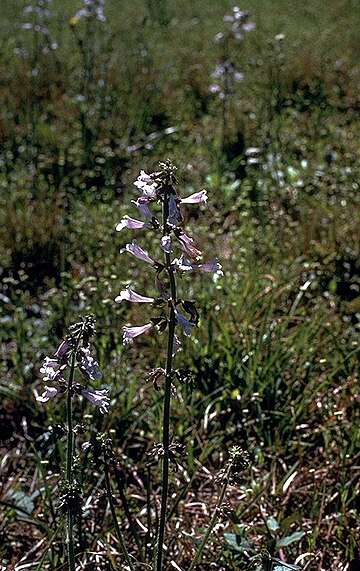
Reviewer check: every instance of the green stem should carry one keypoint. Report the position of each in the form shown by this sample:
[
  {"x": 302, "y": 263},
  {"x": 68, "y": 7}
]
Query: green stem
[
  {"x": 167, "y": 395},
  {"x": 116, "y": 523},
  {"x": 212, "y": 522},
  {"x": 69, "y": 464}
]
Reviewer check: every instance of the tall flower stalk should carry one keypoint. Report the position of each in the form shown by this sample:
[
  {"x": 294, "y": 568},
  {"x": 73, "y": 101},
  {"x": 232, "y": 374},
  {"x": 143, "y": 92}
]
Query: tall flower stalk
[
  {"x": 158, "y": 190},
  {"x": 72, "y": 354}
]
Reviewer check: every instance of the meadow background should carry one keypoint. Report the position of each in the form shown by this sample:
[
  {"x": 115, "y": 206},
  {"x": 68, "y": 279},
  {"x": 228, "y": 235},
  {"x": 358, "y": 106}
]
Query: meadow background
[{"x": 84, "y": 105}]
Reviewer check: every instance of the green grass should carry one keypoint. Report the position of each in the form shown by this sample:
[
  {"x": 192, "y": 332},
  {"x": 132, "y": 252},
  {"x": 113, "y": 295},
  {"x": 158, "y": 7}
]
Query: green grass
[{"x": 275, "y": 359}]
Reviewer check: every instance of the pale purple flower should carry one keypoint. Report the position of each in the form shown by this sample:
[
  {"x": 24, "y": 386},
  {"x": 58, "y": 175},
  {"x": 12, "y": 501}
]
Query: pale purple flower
[
  {"x": 184, "y": 265},
  {"x": 49, "y": 393},
  {"x": 87, "y": 365},
  {"x": 138, "y": 252},
  {"x": 212, "y": 266},
  {"x": 218, "y": 37},
  {"x": 165, "y": 243},
  {"x": 98, "y": 398},
  {"x": 130, "y": 295},
  {"x": 146, "y": 184},
  {"x": 91, "y": 7},
  {"x": 132, "y": 223},
  {"x": 62, "y": 349},
  {"x": 131, "y": 332},
  {"x": 252, "y": 151},
  {"x": 51, "y": 369},
  {"x": 195, "y": 198},
  {"x": 184, "y": 323},
  {"x": 142, "y": 204},
  {"x": 49, "y": 362},
  {"x": 187, "y": 245},
  {"x": 175, "y": 217},
  {"x": 215, "y": 89}
]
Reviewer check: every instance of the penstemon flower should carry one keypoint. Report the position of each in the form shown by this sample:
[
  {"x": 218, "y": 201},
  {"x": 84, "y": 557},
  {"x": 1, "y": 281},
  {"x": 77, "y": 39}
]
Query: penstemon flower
[
  {"x": 160, "y": 204},
  {"x": 73, "y": 353},
  {"x": 131, "y": 332},
  {"x": 130, "y": 295}
]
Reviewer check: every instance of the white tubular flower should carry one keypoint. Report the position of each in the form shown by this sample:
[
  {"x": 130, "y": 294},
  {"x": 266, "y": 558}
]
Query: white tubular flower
[
  {"x": 131, "y": 332},
  {"x": 195, "y": 198},
  {"x": 130, "y": 295},
  {"x": 132, "y": 223}
]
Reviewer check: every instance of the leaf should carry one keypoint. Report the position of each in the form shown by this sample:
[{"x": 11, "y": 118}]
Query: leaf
[
  {"x": 273, "y": 524},
  {"x": 285, "y": 541},
  {"x": 288, "y": 521},
  {"x": 238, "y": 542}
]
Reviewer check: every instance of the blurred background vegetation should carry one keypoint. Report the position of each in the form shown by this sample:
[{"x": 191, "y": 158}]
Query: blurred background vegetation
[{"x": 85, "y": 103}]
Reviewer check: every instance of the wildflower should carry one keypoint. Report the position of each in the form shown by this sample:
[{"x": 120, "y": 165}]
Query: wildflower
[
  {"x": 138, "y": 252},
  {"x": 226, "y": 74},
  {"x": 49, "y": 393},
  {"x": 62, "y": 350},
  {"x": 130, "y": 295},
  {"x": 175, "y": 217},
  {"x": 183, "y": 265},
  {"x": 146, "y": 184},
  {"x": 184, "y": 323},
  {"x": 131, "y": 332},
  {"x": 166, "y": 244},
  {"x": 87, "y": 365},
  {"x": 98, "y": 398},
  {"x": 195, "y": 198},
  {"x": 142, "y": 204},
  {"x": 52, "y": 370},
  {"x": 212, "y": 266},
  {"x": 128, "y": 222},
  {"x": 90, "y": 8},
  {"x": 187, "y": 245}
]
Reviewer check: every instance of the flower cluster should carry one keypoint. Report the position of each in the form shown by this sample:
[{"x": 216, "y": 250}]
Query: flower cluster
[
  {"x": 238, "y": 26},
  {"x": 74, "y": 352},
  {"x": 39, "y": 14},
  {"x": 226, "y": 74},
  {"x": 91, "y": 8},
  {"x": 159, "y": 189}
]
